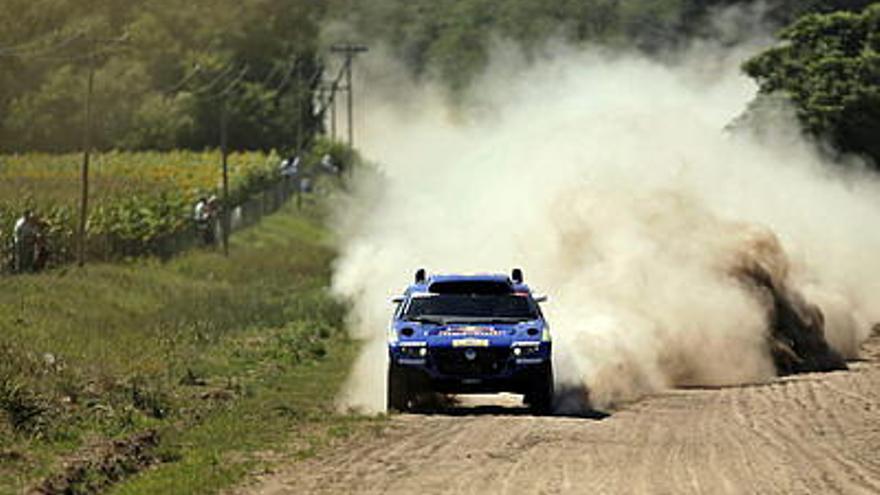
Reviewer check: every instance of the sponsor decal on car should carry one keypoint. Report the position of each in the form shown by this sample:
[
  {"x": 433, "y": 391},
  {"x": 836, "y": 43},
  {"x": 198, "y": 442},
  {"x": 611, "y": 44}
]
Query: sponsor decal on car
[{"x": 471, "y": 330}]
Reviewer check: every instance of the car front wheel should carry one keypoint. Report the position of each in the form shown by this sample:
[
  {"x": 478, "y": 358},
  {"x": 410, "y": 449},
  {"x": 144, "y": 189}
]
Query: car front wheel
[
  {"x": 398, "y": 389},
  {"x": 539, "y": 396}
]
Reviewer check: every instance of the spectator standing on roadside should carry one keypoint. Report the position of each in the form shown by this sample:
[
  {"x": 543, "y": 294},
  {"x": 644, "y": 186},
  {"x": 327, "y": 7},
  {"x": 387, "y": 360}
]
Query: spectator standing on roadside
[
  {"x": 290, "y": 166},
  {"x": 328, "y": 165},
  {"x": 25, "y": 236},
  {"x": 212, "y": 213},
  {"x": 199, "y": 210},
  {"x": 201, "y": 218},
  {"x": 289, "y": 171}
]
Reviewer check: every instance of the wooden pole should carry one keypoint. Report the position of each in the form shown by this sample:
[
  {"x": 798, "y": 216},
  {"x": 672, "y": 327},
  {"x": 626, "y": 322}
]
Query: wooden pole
[
  {"x": 87, "y": 150},
  {"x": 333, "y": 112},
  {"x": 224, "y": 150},
  {"x": 349, "y": 51},
  {"x": 349, "y": 56}
]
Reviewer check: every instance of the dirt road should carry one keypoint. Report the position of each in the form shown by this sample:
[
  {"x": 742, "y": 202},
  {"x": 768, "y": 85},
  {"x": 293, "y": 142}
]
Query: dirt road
[{"x": 817, "y": 433}]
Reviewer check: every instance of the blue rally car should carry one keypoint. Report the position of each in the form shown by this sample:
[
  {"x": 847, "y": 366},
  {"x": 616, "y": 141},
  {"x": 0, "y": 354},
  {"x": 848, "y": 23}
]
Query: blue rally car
[{"x": 469, "y": 334}]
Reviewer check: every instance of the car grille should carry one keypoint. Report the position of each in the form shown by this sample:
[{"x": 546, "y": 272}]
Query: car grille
[{"x": 488, "y": 361}]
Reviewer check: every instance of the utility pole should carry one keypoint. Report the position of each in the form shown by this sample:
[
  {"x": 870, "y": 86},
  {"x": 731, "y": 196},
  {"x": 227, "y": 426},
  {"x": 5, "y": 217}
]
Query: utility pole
[
  {"x": 349, "y": 51},
  {"x": 350, "y": 112},
  {"x": 224, "y": 152},
  {"x": 299, "y": 108},
  {"x": 87, "y": 151},
  {"x": 223, "y": 97},
  {"x": 92, "y": 48},
  {"x": 307, "y": 84},
  {"x": 333, "y": 111}
]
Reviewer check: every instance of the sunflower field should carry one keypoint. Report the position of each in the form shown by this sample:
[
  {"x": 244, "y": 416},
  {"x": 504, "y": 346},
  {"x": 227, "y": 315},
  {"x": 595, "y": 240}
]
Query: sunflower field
[{"x": 137, "y": 200}]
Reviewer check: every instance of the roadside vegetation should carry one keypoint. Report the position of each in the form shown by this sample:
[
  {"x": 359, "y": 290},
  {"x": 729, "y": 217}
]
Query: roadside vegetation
[
  {"x": 137, "y": 199},
  {"x": 140, "y": 202},
  {"x": 829, "y": 67},
  {"x": 207, "y": 364}
]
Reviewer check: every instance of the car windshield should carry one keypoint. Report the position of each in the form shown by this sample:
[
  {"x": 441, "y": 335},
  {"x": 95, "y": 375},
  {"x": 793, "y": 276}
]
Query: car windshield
[{"x": 471, "y": 307}]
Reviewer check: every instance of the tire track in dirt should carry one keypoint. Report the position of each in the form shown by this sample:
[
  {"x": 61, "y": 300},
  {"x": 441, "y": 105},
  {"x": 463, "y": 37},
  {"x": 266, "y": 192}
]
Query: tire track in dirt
[
  {"x": 799, "y": 435},
  {"x": 817, "y": 433},
  {"x": 864, "y": 396},
  {"x": 857, "y": 475}
]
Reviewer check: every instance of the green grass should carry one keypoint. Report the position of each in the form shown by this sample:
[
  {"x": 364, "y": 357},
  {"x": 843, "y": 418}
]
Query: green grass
[
  {"x": 235, "y": 362},
  {"x": 257, "y": 430}
]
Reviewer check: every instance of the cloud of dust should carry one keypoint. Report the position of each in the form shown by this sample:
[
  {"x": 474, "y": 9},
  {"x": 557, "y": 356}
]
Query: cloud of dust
[{"x": 609, "y": 179}]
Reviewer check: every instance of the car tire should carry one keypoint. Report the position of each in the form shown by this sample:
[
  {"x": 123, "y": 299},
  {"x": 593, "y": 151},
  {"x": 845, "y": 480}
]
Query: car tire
[
  {"x": 398, "y": 389},
  {"x": 539, "y": 396}
]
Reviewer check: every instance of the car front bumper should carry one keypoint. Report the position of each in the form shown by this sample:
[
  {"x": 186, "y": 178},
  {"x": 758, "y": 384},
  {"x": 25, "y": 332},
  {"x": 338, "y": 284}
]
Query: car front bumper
[{"x": 475, "y": 370}]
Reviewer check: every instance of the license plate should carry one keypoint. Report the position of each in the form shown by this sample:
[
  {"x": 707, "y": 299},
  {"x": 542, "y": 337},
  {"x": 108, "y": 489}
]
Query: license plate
[{"x": 470, "y": 343}]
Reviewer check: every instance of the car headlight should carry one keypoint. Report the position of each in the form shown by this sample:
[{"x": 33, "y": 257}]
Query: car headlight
[
  {"x": 526, "y": 351},
  {"x": 413, "y": 352}
]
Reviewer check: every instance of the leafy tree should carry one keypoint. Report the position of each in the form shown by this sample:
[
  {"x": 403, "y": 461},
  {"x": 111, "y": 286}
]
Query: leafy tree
[
  {"x": 449, "y": 39},
  {"x": 162, "y": 87},
  {"x": 829, "y": 66}
]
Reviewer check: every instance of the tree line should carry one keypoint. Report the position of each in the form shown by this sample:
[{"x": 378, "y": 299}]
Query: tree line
[
  {"x": 449, "y": 39},
  {"x": 826, "y": 64},
  {"x": 165, "y": 70}
]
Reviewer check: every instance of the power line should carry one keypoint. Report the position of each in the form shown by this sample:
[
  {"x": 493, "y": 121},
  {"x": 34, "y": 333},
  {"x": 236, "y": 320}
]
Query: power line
[
  {"x": 276, "y": 69},
  {"x": 95, "y": 53},
  {"x": 288, "y": 76},
  {"x": 33, "y": 46},
  {"x": 224, "y": 72},
  {"x": 232, "y": 84},
  {"x": 183, "y": 81},
  {"x": 330, "y": 103}
]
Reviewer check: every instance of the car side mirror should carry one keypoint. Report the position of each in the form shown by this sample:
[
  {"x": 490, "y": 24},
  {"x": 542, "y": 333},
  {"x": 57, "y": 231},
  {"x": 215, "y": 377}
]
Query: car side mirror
[
  {"x": 540, "y": 299},
  {"x": 397, "y": 299}
]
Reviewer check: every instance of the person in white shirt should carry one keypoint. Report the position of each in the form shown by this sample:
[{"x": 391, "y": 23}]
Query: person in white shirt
[
  {"x": 199, "y": 209},
  {"x": 290, "y": 166},
  {"x": 328, "y": 165},
  {"x": 201, "y": 217},
  {"x": 24, "y": 238}
]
